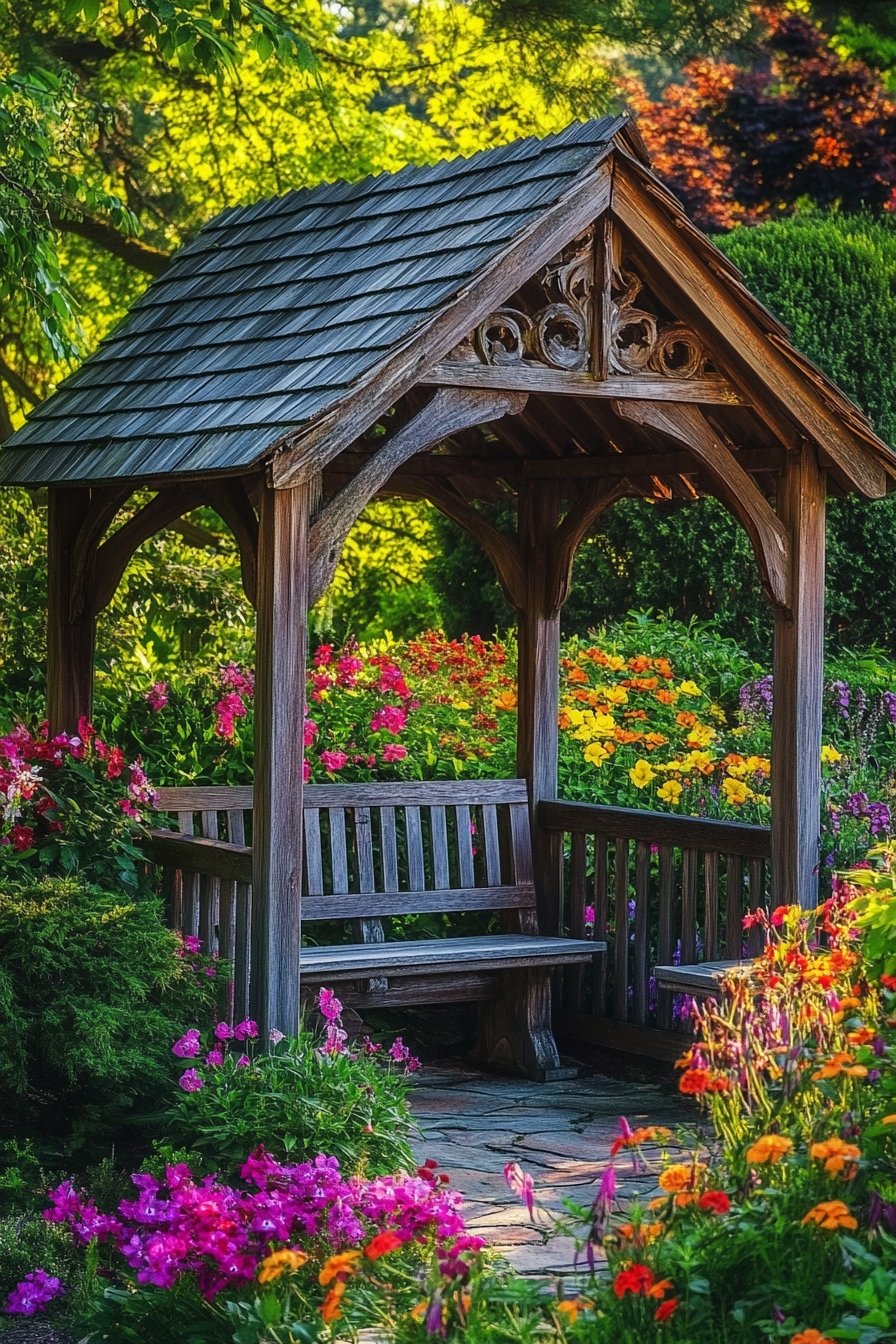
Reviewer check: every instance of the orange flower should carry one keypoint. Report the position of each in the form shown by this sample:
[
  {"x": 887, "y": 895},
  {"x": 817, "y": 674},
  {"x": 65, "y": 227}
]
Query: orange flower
[
  {"x": 274, "y": 1265},
  {"x": 666, "y": 1309},
  {"x": 507, "y": 700},
  {"x": 831, "y": 1215},
  {"x": 686, "y": 718},
  {"x": 666, "y": 697},
  {"x": 382, "y": 1244},
  {"x": 840, "y": 1063},
  {"x": 331, "y": 1307},
  {"x": 861, "y": 1036},
  {"x": 577, "y": 674},
  {"x": 659, "y": 1289},
  {"x": 646, "y": 1134},
  {"x": 569, "y": 1308},
  {"x": 837, "y": 1157},
  {"x": 770, "y": 1148},
  {"x": 810, "y": 1336},
  {"x": 342, "y": 1264},
  {"x": 681, "y": 1176}
]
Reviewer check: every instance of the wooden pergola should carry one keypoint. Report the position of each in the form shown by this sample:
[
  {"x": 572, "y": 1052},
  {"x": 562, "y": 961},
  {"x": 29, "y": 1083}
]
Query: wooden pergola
[{"x": 537, "y": 325}]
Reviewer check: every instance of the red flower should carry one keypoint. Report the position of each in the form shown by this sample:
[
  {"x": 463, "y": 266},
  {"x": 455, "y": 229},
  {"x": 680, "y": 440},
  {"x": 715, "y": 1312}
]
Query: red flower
[
  {"x": 666, "y": 1309},
  {"x": 382, "y": 1244},
  {"x": 21, "y": 838},
  {"x": 888, "y": 982},
  {"x": 694, "y": 1081},
  {"x": 635, "y": 1279},
  {"x": 714, "y": 1201},
  {"x": 114, "y": 763}
]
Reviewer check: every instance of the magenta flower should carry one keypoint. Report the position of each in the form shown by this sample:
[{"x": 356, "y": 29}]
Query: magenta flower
[
  {"x": 394, "y": 751},
  {"x": 190, "y": 1081},
  {"x": 276, "y": 1036},
  {"x": 310, "y": 732},
  {"x": 191, "y": 943},
  {"x": 157, "y": 696},
  {"x": 328, "y": 1005},
  {"x": 223, "y": 1031},
  {"x": 214, "y": 1058},
  {"x": 35, "y": 1292},
  {"x": 246, "y": 1031},
  {"x": 243, "y": 1062},
  {"x": 333, "y": 760},
  {"x": 389, "y": 719},
  {"x": 188, "y": 1046},
  {"x": 521, "y": 1184},
  {"x": 590, "y": 917}
]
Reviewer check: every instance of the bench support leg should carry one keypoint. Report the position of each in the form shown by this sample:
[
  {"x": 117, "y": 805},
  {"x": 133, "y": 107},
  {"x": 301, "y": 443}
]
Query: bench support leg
[{"x": 515, "y": 1033}]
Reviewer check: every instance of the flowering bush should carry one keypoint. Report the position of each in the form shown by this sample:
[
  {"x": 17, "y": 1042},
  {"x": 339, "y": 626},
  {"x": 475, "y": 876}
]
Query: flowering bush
[
  {"x": 92, "y": 986},
  {"x": 299, "y": 1097},
  {"x": 71, "y": 804}
]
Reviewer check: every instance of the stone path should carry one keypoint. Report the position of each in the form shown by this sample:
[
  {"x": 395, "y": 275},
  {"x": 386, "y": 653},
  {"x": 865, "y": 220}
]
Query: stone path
[{"x": 473, "y": 1123}]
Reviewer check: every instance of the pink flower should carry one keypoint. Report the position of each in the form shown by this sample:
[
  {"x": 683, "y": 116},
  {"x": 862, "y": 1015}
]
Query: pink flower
[
  {"x": 246, "y": 1030},
  {"x": 243, "y": 1062},
  {"x": 86, "y": 729},
  {"x": 394, "y": 751},
  {"x": 214, "y": 1058},
  {"x": 333, "y": 760},
  {"x": 223, "y": 1031},
  {"x": 157, "y": 696},
  {"x": 276, "y": 1036},
  {"x": 190, "y": 1081},
  {"x": 228, "y": 709},
  {"x": 191, "y": 943},
  {"x": 348, "y": 669},
  {"x": 521, "y": 1184},
  {"x": 389, "y": 719},
  {"x": 187, "y": 1046},
  {"x": 323, "y": 654},
  {"x": 114, "y": 763},
  {"x": 310, "y": 732},
  {"x": 306, "y": 770},
  {"x": 234, "y": 678},
  {"x": 35, "y": 1292},
  {"x": 328, "y": 1005}
]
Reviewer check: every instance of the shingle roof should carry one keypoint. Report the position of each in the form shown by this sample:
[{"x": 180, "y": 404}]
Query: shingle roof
[{"x": 267, "y": 318}]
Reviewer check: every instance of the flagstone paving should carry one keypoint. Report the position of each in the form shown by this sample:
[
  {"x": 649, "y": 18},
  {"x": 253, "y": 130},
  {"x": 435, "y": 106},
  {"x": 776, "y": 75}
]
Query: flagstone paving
[{"x": 472, "y": 1124}]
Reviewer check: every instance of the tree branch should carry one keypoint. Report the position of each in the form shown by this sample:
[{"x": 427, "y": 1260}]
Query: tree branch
[{"x": 142, "y": 256}]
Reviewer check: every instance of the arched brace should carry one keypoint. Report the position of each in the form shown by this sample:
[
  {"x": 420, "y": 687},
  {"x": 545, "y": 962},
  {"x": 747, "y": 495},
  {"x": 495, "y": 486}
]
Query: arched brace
[
  {"x": 733, "y": 486},
  {"x": 231, "y": 502},
  {"x": 569, "y": 535},
  {"x": 114, "y": 554},
  {"x": 104, "y": 505},
  {"x": 448, "y": 411},
  {"x": 501, "y": 550}
]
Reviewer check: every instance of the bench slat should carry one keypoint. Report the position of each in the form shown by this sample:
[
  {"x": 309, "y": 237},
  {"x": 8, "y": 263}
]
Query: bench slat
[
  {"x": 441, "y": 876},
  {"x": 420, "y": 958},
  {"x": 314, "y": 868},
  {"x": 492, "y": 839},
  {"x": 414, "y": 840},
  {"x": 447, "y": 900},
  {"x": 464, "y": 845},
  {"x": 700, "y": 978},
  {"x": 389, "y": 845}
]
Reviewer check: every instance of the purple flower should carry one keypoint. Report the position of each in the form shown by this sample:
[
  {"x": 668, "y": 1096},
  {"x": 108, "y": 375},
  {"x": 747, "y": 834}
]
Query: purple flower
[
  {"x": 35, "y": 1292},
  {"x": 214, "y": 1058},
  {"x": 223, "y": 1031},
  {"x": 328, "y": 1005},
  {"x": 191, "y": 943},
  {"x": 188, "y": 1046},
  {"x": 190, "y": 1081},
  {"x": 276, "y": 1036},
  {"x": 890, "y": 705},
  {"x": 521, "y": 1184},
  {"x": 246, "y": 1031},
  {"x": 756, "y": 697},
  {"x": 243, "y": 1062}
]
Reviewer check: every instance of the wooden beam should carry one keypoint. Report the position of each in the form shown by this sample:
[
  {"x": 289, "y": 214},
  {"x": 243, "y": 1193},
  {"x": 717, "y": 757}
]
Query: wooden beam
[
  {"x": 70, "y": 642},
  {"x": 230, "y": 500},
  {"x": 737, "y": 490},
  {"x": 447, "y": 411},
  {"x": 798, "y": 690},
  {"x": 761, "y": 353},
  {"x": 105, "y": 503},
  {"x": 305, "y": 453},
  {"x": 115, "y": 553},
  {"x": 502, "y": 550},
  {"x": 282, "y": 592},
  {"x": 562, "y": 546},
  {"x": 712, "y": 390}
]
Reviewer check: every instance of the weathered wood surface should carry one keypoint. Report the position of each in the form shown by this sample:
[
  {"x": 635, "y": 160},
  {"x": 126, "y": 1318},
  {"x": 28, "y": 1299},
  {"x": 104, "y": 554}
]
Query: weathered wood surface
[
  {"x": 700, "y": 979},
  {"x": 421, "y": 956},
  {"x": 725, "y": 837},
  {"x": 70, "y": 642},
  {"x": 711, "y": 390},
  {"x": 282, "y": 592},
  {"x": 799, "y": 684}
]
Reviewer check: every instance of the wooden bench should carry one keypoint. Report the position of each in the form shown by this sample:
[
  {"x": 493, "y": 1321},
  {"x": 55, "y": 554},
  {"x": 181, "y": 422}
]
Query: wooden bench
[
  {"x": 700, "y": 980},
  {"x": 455, "y": 852}
]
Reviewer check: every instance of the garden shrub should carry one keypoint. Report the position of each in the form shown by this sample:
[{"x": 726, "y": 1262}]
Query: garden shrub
[
  {"x": 296, "y": 1099},
  {"x": 92, "y": 988}
]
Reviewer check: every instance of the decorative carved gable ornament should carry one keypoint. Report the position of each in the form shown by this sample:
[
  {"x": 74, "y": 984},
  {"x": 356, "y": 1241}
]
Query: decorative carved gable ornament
[{"x": 549, "y": 323}]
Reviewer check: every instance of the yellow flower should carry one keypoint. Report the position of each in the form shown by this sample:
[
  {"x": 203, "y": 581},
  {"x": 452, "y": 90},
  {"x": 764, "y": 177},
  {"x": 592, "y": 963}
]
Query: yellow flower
[
  {"x": 701, "y": 735},
  {"x": 616, "y": 695},
  {"x": 699, "y": 760},
  {"x": 506, "y": 701},
  {"x": 830, "y": 755},
  {"x": 831, "y": 1215},
  {"x": 670, "y": 792},
  {"x": 341, "y": 1264},
  {"x": 615, "y": 663},
  {"x": 595, "y": 754},
  {"x": 689, "y": 688},
  {"x": 735, "y": 791},
  {"x": 770, "y": 1148},
  {"x": 758, "y": 765},
  {"x": 576, "y": 717},
  {"x": 641, "y": 774},
  {"x": 274, "y": 1265}
]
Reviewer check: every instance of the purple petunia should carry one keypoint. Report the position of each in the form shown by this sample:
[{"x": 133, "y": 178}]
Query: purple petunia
[
  {"x": 36, "y": 1291},
  {"x": 246, "y": 1031},
  {"x": 188, "y": 1046},
  {"x": 190, "y": 1081}
]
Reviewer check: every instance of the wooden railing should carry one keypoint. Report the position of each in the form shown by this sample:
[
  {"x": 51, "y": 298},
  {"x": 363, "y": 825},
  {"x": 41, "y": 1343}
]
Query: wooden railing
[{"x": 681, "y": 885}]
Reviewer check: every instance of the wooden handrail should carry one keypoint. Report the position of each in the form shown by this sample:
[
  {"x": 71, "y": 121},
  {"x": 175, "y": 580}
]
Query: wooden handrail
[
  {"x": 198, "y": 854},
  {"x": 659, "y": 828}
]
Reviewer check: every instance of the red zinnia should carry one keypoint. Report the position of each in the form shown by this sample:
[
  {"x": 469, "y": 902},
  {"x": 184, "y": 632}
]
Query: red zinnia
[
  {"x": 666, "y": 1309},
  {"x": 382, "y": 1244},
  {"x": 714, "y": 1201},
  {"x": 635, "y": 1279}
]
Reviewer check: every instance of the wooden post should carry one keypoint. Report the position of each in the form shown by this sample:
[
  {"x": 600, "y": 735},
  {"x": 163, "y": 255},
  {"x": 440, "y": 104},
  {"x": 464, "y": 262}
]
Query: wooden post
[
  {"x": 538, "y": 680},
  {"x": 798, "y": 688},
  {"x": 282, "y": 598},
  {"x": 70, "y": 643}
]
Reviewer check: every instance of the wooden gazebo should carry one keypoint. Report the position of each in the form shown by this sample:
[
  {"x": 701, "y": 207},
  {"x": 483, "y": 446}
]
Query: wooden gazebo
[{"x": 538, "y": 325}]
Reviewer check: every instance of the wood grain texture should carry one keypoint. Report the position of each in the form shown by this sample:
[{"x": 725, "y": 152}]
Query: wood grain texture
[
  {"x": 725, "y": 837},
  {"x": 448, "y": 411},
  {"x": 420, "y": 956},
  {"x": 733, "y": 486},
  {"x": 70, "y": 643},
  {"x": 711, "y": 390},
  {"x": 799, "y": 684},
  {"x": 279, "y": 717}
]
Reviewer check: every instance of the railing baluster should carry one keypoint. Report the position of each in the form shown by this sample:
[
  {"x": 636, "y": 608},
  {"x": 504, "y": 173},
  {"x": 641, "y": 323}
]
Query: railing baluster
[
  {"x": 734, "y": 909},
  {"x": 688, "y": 906},
  {"x": 642, "y": 931},
  {"x": 573, "y": 979},
  {"x": 601, "y": 915},
  {"x": 665, "y": 932},
  {"x": 710, "y": 906},
  {"x": 620, "y": 950}
]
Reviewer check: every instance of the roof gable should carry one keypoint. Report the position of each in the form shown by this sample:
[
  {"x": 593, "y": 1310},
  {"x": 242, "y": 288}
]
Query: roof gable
[{"x": 275, "y": 311}]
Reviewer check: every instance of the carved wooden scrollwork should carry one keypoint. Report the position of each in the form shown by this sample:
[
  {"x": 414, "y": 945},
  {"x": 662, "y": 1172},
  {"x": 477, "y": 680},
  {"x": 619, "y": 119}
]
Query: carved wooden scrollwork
[
  {"x": 641, "y": 342},
  {"x": 555, "y": 332}
]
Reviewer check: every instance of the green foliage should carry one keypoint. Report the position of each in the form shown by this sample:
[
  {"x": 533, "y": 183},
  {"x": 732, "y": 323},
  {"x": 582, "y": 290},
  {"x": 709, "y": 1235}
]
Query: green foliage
[
  {"x": 26, "y": 1240},
  {"x": 297, "y": 1101},
  {"x": 92, "y": 990},
  {"x": 875, "y": 908}
]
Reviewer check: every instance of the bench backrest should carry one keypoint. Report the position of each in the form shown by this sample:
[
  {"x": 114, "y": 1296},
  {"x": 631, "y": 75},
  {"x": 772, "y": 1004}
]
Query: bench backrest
[{"x": 377, "y": 850}]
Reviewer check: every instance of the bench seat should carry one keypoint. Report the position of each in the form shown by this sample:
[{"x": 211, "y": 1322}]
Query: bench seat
[
  {"x": 431, "y": 954},
  {"x": 700, "y": 980}
]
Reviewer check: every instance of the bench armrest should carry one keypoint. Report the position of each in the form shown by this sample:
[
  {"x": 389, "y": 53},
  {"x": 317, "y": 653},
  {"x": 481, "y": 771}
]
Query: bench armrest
[{"x": 198, "y": 854}]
